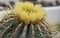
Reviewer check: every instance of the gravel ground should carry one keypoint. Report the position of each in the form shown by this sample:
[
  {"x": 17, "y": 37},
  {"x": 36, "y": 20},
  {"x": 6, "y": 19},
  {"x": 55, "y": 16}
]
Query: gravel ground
[{"x": 58, "y": 35}]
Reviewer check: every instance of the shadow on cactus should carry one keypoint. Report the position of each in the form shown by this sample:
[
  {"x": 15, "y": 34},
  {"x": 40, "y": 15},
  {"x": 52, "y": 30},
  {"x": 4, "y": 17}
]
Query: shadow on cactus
[{"x": 31, "y": 22}]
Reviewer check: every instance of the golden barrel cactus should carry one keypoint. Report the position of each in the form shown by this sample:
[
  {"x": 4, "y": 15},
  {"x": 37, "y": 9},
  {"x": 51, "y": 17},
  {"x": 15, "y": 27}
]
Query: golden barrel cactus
[{"x": 27, "y": 21}]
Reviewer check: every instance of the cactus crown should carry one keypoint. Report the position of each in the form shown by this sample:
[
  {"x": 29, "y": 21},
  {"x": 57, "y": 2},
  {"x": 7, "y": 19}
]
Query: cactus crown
[{"x": 27, "y": 11}]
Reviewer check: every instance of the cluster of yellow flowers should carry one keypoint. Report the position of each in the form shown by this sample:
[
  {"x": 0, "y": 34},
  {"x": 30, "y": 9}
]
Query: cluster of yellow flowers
[{"x": 27, "y": 11}]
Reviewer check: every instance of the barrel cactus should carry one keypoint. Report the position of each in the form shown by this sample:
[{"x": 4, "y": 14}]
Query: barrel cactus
[{"x": 26, "y": 21}]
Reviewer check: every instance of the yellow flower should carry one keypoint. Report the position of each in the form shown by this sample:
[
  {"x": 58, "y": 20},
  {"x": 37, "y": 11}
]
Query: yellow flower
[
  {"x": 24, "y": 16},
  {"x": 32, "y": 17},
  {"x": 26, "y": 11}
]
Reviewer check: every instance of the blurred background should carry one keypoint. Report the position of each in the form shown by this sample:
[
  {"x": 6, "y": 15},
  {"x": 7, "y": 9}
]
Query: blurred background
[{"x": 42, "y": 2}]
